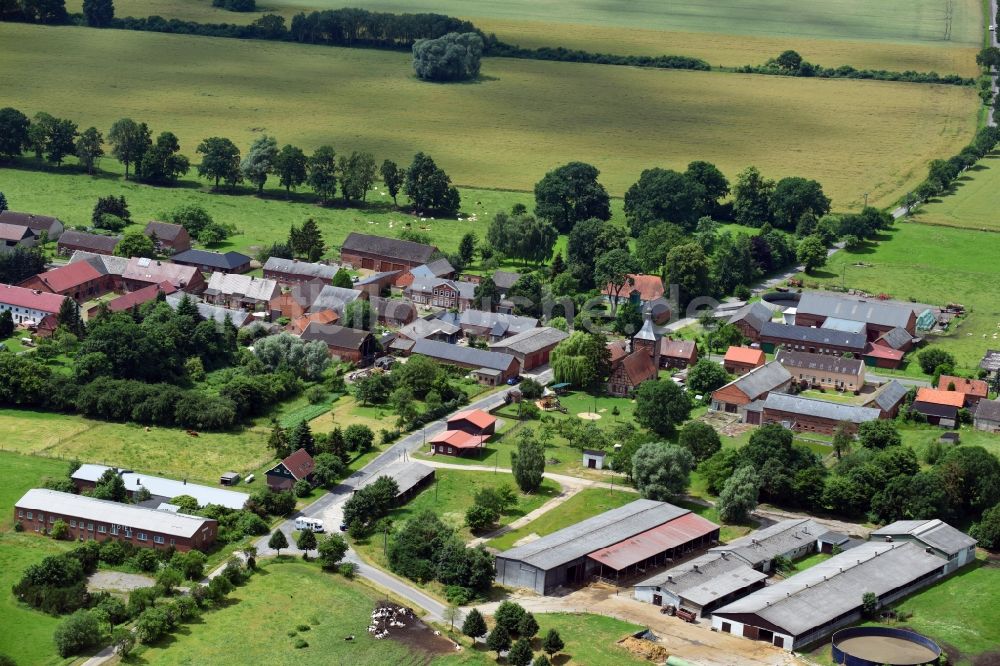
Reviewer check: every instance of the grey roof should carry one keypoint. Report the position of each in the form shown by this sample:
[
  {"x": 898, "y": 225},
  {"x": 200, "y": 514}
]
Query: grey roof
[
  {"x": 333, "y": 335},
  {"x": 426, "y": 285},
  {"x": 419, "y": 329},
  {"x": 112, "y": 265},
  {"x": 303, "y": 268},
  {"x": 211, "y": 312},
  {"x": 817, "y": 336},
  {"x": 130, "y": 515},
  {"x": 94, "y": 241},
  {"x": 504, "y": 280},
  {"x": 168, "y": 488},
  {"x": 221, "y": 260},
  {"x": 392, "y": 248},
  {"x": 334, "y": 298},
  {"x": 406, "y": 474},
  {"x": 765, "y": 544},
  {"x": 392, "y": 308},
  {"x": 646, "y": 332},
  {"x": 821, "y": 409},
  {"x": 531, "y": 340},
  {"x": 888, "y": 395},
  {"x": 844, "y": 325},
  {"x": 756, "y": 314},
  {"x": 825, "y": 591},
  {"x": 760, "y": 380},
  {"x": 854, "y": 308},
  {"x": 507, "y": 323},
  {"x": 468, "y": 356},
  {"x": 820, "y": 362},
  {"x": 988, "y": 410},
  {"x": 897, "y": 338},
  {"x": 165, "y": 231},
  {"x": 706, "y": 578},
  {"x": 30, "y": 220},
  {"x": 934, "y": 533},
  {"x": 376, "y": 277},
  {"x": 935, "y": 409},
  {"x": 436, "y": 268},
  {"x": 991, "y": 360},
  {"x": 600, "y": 531},
  {"x": 259, "y": 289}
]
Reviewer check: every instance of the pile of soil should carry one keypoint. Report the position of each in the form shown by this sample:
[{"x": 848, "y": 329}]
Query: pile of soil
[
  {"x": 413, "y": 633},
  {"x": 645, "y": 649}
]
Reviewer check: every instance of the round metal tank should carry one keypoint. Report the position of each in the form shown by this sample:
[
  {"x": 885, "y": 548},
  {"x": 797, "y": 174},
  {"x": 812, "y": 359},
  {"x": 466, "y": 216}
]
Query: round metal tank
[{"x": 871, "y": 646}]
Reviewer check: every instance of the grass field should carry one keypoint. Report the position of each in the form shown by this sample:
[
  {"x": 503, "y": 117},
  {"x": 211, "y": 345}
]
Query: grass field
[
  {"x": 931, "y": 265},
  {"x": 524, "y": 118},
  {"x": 973, "y": 205}
]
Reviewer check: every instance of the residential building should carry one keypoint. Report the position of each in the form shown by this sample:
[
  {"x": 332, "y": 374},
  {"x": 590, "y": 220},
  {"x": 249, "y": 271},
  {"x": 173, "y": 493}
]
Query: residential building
[
  {"x": 465, "y": 431},
  {"x": 974, "y": 390},
  {"x": 439, "y": 268},
  {"x": 879, "y": 316},
  {"x": 298, "y": 325},
  {"x": 810, "y": 415},
  {"x": 168, "y": 238},
  {"x": 953, "y": 545},
  {"x": 741, "y": 360},
  {"x": 678, "y": 354},
  {"x": 133, "y": 298},
  {"x": 939, "y": 407},
  {"x": 240, "y": 292},
  {"x": 298, "y": 466},
  {"x": 812, "y": 340},
  {"x": 212, "y": 262},
  {"x": 987, "y": 416},
  {"x": 613, "y": 544},
  {"x": 38, "y": 224},
  {"x": 750, "y": 319},
  {"x": 429, "y": 328},
  {"x": 702, "y": 584},
  {"x": 378, "y": 253},
  {"x": 161, "y": 489},
  {"x": 492, "y": 325},
  {"x": 15, "y": 235},
  {"x": 296, "y": 301},
  {"x": 489, "y": 368},
  {"x": 354, "y": 345},
  {"x": 292, "y": 271},
  {"x": 82, "y": 281},
  {"x": 28, "y": 306},
  {"x": 640, "y": 364},
  {"x": 101, "y": 520},
  {"x": 141, "y": 271},
  {"x": 887, "y": 398},
  {"x": 823, "y": 371},
  {"x": 739, "y": 395},
  {"x": 72, "y": 241},
  {"x": 441, "y": 293},
  {"x": 640, "y": 290},
  {"x": 532, "y": 347}
]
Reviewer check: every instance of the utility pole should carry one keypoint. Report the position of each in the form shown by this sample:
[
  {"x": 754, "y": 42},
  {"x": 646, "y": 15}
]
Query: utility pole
[{"x": 866, "y": 200}]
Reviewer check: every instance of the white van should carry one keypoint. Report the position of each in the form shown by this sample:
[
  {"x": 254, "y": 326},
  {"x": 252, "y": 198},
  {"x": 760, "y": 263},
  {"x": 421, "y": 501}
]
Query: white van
[{"x": 312, "y": 524}]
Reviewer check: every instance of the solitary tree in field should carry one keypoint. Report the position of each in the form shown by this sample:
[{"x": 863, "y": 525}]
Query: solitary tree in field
[
  {"x": 451, "y": 57},
  {"x": 129, "y": 142},
  {"x": 277, "y": 541},
  {"x": 553, "y": 642},
  {"x": 789, "y": 60},
  {"x": 220, "y": 160}
]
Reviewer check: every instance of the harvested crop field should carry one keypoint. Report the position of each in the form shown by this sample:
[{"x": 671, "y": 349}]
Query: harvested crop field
[{"x": 524, "y": 118}]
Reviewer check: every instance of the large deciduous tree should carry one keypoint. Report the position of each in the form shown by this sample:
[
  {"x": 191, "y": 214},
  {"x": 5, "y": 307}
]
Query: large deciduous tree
[
  {"x": 663, "y": 195},
  {"x": 13, "y": 132},
  {"x": 89, "y": 148},
  {"x": 98, "y": 13},
  {"x": 323, "y": 173},
  {"x": 614, "y": 272},
  {"x": 429, "y": 187},
  {"x": 259, "y": 161},
  {"x": 129, "y": 142},
  {"x": 689, "y": 268},
  {"x": 738, "y": 498},
  {"x": 661, "y": 405},
  {"x": 451, "y": 57},
  {"x": 812, "y": 253},
  {"x": 571, "y": 193},
  {"x": 662, "y": 471},
  {"x": 220, "y": 160},
  {"x": 713, "y": 181},
  {"x": 392, "y": 178},
  {"x": 794, "y": 197},
  {"x": 528, "y": 462},
  {"x": 290, "y": 166},
  {"x": 357, "y": 175},
  {"x": 752, "y": 198},
  {"x": 163, "y": 162},
  {"x": 582, "y": 360}
]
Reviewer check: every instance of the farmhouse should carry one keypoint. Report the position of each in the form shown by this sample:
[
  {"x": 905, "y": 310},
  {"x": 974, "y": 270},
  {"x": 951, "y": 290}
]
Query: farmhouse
[
  {"x": 168, "y": 238},
  {"x": 741, "y": 360},
  {"x": 410, "y": 478},
  {"x": 811, "y": 605},
  {"x": 81, "y": 281},
  {"x": 974, "y": 390},
  {"x": 240, "y": 292},
  {"x": 939, "y": 407},
  {"x": 639, "y": 290},
  {"x": 378, "y": 253},
  {"x": 133, "y": 298},
  {"x": 823, "y": 370},
  {"x": 140, "y": 271},
  {"x": 465, "y": 431},
  {"x": 878, "y": 316},
  {"x": 210, "y": 262},
  {"x": 887, "y": 398},
  {"x": 441, "y": 293},
  {"x": 27, "y": 306},
  {"x": 161, "y": 489},
  {"x": 641, "y": 364},
  {"x": 73, "y": 240},
  {"x": 430, "y": 329},
  {"x": 615, "y": 543},
  {"x": 736, "y": 396},
  {"x": 809, "y": 415},
  {"x": 100, "y": 520},
  {"x": 354, "y": 345},
  {"x": 298, "y": 466},
  {"x": 987, "y": 416},
  {"x": 38, "y": 224},
  {"x": 293, "y": 271},
  {"x": 750, "y": 319},
  {"x": 678, "y": 353},
  {"x": 532, "y": 347},
  {"x": 702, "y": 584},
  {"x": 439, "y": 268},
  {"x": 812, "y": 340},
  {"x": 490, "y": 368},
  {"x": 298, "y": 325},
  {"x": 936, "y": 535}
]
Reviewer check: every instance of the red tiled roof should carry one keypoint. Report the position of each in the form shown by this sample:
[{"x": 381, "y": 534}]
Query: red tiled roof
[
  {"x": 476, "y": 417},
  {"x": 300, "y": 464},
  {"x": 881, "y": 351},
  {"x": 459, "y": 439},
  {"x": 678, "y": 348},
  {"x": 70, "y": 276},
  {"x": 938, "y": 397},
  {"x": 644, "y": 545},
  {"x": 639, "y": 367},
  {"x": 745, "y": 355},
  {"x": 650, "y": 287},
  {"x": 29, "y": 298},
  {"x": 974, "y": 387},
  {"x": 300, "y": 324},
  {"x": 618, "y": 350},
  {"x": 140, "y": 296}
]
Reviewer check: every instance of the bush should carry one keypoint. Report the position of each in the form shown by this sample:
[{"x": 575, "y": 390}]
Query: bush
[
  {"x": 348, "y": 569},
  {"x": 301, "y": 643},
  {"x": 316, "y": 395},
  {"x": 303, "y": 627},
  {"x": 77, "y": 632},
  {"x": 302, "y": 488}
]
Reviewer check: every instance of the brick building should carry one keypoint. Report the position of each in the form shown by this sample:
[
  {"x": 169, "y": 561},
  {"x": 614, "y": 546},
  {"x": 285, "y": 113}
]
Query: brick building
[
  {"x": 741, "y": 360},
  {"x": 532, "y": 347},
  {"x": 378, "y": 253},
  {"x": 812, "y": 340},
  {"x": 81, "y": 281},
  {"x": 678, "y": 353},
  {"x": 750, "y": 319},
  {"x": 878, "y": 316},
  {"x": 353, "y": 345},
  {"x": 809, "y": 415},
  {"x": 211, "y": 262},
  {"x": 293, "y": 271},
  {"x": 73, "y": 240},
  {"x": 168, "y": 238},
  {"x": 824, "y": 371},
  {"x": 740, "y": 395}
]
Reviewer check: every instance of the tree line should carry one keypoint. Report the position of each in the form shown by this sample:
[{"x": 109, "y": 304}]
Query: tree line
[
  {"x": 790, "y": 63},
  {"x": 941, "y": 174}
]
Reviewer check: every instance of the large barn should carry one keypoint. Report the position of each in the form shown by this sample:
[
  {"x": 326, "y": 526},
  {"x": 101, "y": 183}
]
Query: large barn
[{"x": 615, "y": 544}]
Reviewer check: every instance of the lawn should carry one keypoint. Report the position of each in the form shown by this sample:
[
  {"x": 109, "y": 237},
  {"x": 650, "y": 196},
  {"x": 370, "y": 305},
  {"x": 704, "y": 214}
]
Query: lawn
[
  {"x": 932, "y": 265},
  {"x": 166, "y": 451},
  {"x": 348, "y": 411},
  {"x": 920, "y": 436},
  {"x": 583, "y": 505},
  {"x": 506, "y": 131},
  {"x": 973, "y": 204}
]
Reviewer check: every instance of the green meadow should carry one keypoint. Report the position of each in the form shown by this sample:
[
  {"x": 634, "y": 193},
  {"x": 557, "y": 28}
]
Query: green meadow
[{"x": 973, "y": 204}]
